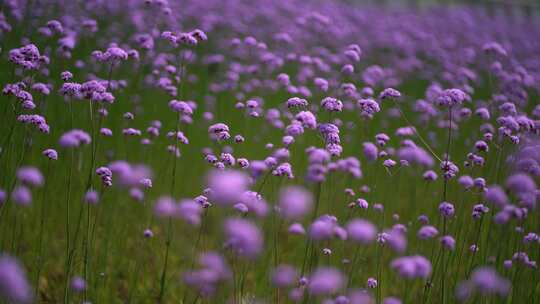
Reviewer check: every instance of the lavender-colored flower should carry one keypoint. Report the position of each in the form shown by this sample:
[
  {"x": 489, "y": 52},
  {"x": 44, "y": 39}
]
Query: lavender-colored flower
[
  {"x": 325, "y": 281},
  {"x": 452, "y": 97},
  {"x": 295, "y": 202},
  {"x": 283, "y": 169},
  {"x": 392, "y": 300},
  {"x": 427, "y": 232},
  {"x": 531, "y": 237},
  {"x": 423, "y": 219},
  {"x": 430, "y": 176},
  {"x": 284, "y": 276},
  {"x": 28, "y": 57},
  {"x": 106, "y": 175},
  {"x": 466, "y": 181},
  {"x": 370, "y": 151},
  {"x": 91, "y": 197},
  {"x": 396, "y": 238},
  {"x": 322, "y": 229},
  {"x": 78, "y": 284},
  {"x": 389, "y": 163},
  {"x": 496, "y": 195},
  {"x": 227, "y": 186},
  {"x": 390, "y": 93},
  {"x": 74, "y": 138},
  {"x": 368, "y": 107},
  {"x": 148, "y": 233},
  {"x": 372, "y": 283},
  {"x": 213, "y": 271},
  {"x": 296, "y": 102},
  {"x": 30, "y": 176},
  {"x": 50, "y": 154},
  {"x": 448, "y": 242},
  {"x": 190, "y": 211},
  {"x": 485, "y": 281},
  {"x": 520, "y": 183},
  {"x": 449, "y": 169},
  {"x": 296, "y": 228},
  {"x": 219, "y": 132},
  {"x": 22, "y": 196},
  {"x": 361, "y": 231},
  {"x": 362, "y": 203},
  {"x": 412, "y": 266},
  {"x": 14, "y": 286},
  {"x": 446, "y": 209},
  {"x": 165, "y": 207},
  {"x": 243, "y": 237},
  {"x": 307, "y": 119},
  {"x": 332, "y": 104}
]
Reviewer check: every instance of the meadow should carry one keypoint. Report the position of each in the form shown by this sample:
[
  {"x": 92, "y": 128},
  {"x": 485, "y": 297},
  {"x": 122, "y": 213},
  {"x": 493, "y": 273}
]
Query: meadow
[{"x": 156, "y": 151}]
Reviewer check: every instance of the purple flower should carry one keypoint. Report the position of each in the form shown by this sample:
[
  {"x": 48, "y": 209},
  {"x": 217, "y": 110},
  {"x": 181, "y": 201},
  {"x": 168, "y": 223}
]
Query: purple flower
[
  {"x": 368, "y": 107},
  {"x": 30, "y": 176},
  {"x": 106, "y": 175},
  {"x": 321, "y": 229},
  {"x": 22, "y": 196},
  {"x": 219, "y": 132},
  {"x": 370, "y": 151},
  {"x": 307, "y": 119},
  {"x": 452, "y": 97},
  {"x": 51, "y": 154},
  {"x": 372, "y": 283},
  {"x": 448, "y": 242},
  {"x": 296, "y": 228},
  {"x": 190, "y": 211},
  {"x": 283, "y": 169},
  {"x": 412, "y": 267},
  {"x": 3, "y": 196},
  {"x": 91, "y": 197},
  {"x": 390, "y": 93},
  {"x": 78, "y": 284},
  {"x": 296, "y": 102},
  {"x": 332, "y": 104},
  {"x": 227, "y": 186},
  {"x": 520, "y": 183},
  {"x": 28, "y": 57},
  {"x": 427, "y": 232},
  {"x": 361, "y": 231},
  {"x": 495, "y": 49},
  {"x": 325, "y": 281},
  {"x": 449, "y": 169},
  {"x": 395, "y": 237},
  {"x": 284, "y": 276},
  {"x": 74, "y": 138},
  {"x": 165, "y": 207},
  {"x": 243, "y": 237},
  {"x": 295, "y": 202},
  {"x": 391, "y": 300},
  {"x": 213, "y": 270},
  {"x": 430, "y": 176},
  {"x": 446, "y": 209},
  {"x": 148, "y": 233},
  {"x": 466, "y": 181},
  {"x": 485, "y": 281},
  {"x": 14, "y": 286}
]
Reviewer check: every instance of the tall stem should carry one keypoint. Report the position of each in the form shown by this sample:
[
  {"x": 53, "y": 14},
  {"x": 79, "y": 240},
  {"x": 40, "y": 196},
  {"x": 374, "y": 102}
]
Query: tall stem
[
  {"x": 41, "y": 229},
  {"x": 67, "y": 214}
]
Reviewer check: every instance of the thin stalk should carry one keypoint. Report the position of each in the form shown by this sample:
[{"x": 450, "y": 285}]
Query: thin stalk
[
  {"x": 67, "y": 214},
  {"x": 308, "y": 240},
  {"x": 43, "y": 217},
  {"x": 417, "y": 133}
]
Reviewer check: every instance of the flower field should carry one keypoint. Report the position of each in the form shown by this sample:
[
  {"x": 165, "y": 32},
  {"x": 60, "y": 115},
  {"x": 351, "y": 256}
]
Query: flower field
[{"x": 178, "y": 151}]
